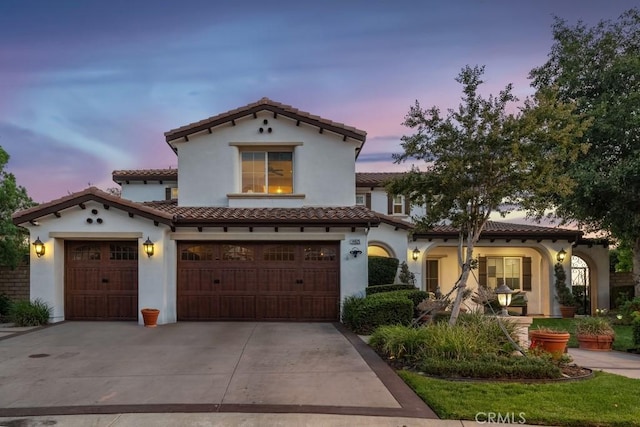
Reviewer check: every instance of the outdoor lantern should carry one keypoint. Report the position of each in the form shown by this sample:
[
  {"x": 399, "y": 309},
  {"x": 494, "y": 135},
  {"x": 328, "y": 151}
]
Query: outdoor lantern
[
  {"x": 415, "y": 254},
  {"x": 38, "y": 246},
  {"x": 561, "y": 255},
  {"x": 148, "y": 247},
  {"x": 504, "y": 298}
]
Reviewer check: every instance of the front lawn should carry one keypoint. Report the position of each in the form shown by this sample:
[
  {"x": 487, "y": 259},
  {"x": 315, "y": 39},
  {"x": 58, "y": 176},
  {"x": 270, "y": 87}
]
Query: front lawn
[
  {"x": 605, "y": 400},
  {"x": 624, "y": 333}
]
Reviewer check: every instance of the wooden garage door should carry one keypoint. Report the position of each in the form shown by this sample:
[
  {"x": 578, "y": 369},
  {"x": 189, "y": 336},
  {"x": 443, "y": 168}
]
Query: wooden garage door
[
  {"x": 101, "y": 281},
  {"x": 258, "y": 281}
]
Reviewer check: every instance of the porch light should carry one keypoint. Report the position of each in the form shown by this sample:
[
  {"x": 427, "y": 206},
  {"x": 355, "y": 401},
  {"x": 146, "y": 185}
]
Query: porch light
[
  {"x": 504, "y": 298},
  {"x": 355, "y": 252},
  {"x": 561, "y": 255},
  {"x": 415, "y": 254},
  {"x": 148, "y": 247},
  {"x": 38, "y": 246}
]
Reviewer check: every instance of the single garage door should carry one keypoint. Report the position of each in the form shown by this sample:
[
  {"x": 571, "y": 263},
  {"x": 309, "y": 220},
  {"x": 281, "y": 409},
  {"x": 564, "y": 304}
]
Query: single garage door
[
  {"x": 101, "y": 281},
  {"x": 258, "y": 281}
]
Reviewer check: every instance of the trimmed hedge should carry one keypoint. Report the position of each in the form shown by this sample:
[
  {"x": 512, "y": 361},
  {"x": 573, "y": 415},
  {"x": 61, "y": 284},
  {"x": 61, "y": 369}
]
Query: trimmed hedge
[
  {"x": 490, "y": 366},
  {"x": 382, "y": 270},
  {"x": 415, "y": 295},
  {"x": 389, "y": 288},
  {"x": 364, "y": 315}
]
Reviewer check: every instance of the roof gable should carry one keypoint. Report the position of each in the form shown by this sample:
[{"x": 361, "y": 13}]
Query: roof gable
[
  {"x": 265, "y": 104},
  {"x": 90, "y": 194}
]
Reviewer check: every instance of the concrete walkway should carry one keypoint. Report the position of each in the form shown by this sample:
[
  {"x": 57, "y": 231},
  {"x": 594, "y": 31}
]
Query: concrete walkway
[{"x": 615, "y": 362}]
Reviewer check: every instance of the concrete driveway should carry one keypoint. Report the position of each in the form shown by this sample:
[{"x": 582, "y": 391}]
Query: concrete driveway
[{"x": 120, "y": 367}]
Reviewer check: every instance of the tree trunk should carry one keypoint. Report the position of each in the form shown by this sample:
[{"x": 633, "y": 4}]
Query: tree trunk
[
  {"x": 636, "y": 266},
  {"x": 462, "y": 283}
]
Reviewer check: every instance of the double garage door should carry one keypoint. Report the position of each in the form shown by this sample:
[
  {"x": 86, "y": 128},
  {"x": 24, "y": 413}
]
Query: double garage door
[
  {"x": 216, "y": 281},
  {"x": 258, "y": 281}
]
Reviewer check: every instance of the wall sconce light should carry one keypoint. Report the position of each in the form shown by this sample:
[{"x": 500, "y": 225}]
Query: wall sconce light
[
  {"x": 415, "y": 254},
  {"x": 355, "y": 252},
  {"x": 561, "y": 255},
  {"x": 38, "y": 246},
  {"x": 148, "y": 247},
  {"x": 503, "y": 293}
]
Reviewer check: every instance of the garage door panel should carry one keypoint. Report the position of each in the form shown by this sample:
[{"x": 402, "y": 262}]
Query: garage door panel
[
  {"x": 237, "y": 307},
  {"x": 258, "y": 281},
  {"x": 101, "y": 280},
  {"x": 237, "y": 279}
]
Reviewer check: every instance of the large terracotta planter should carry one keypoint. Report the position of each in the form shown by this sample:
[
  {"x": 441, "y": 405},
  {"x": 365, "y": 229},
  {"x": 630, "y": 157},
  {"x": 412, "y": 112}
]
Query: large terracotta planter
[
  {"x": 150, "y": 317},
  {"x": 551, "y": 342},
  {"x": 567, "y": 312},
  {"x": 595, "y": 342}
]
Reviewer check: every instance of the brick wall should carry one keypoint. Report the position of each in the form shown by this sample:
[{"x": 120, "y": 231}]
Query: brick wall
[{"x": 15, "y": 283}]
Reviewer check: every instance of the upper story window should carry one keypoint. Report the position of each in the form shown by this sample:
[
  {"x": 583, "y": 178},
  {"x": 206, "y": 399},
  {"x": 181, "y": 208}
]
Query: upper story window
[
  {"x": 398, "y": 205},
  {"x": 360, "y": 199},
  {"x": 269, "y": 172}
]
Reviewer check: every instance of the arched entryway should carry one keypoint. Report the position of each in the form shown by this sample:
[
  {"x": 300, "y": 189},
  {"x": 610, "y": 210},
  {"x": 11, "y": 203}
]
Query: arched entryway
[
  {"x": 377, "y": 249},
  {"x": 581, "y": 284}
]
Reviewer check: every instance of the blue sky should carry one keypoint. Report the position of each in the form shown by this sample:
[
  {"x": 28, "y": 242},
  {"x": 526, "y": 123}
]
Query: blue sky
[{"x": 90, "y": 86}]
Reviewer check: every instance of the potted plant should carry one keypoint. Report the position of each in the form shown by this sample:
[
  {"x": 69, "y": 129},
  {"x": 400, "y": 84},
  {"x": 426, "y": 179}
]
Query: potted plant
[
  {"x": 150, "y": 317},
  {"x": 595, "y": 333},
  {"x": 564, "y": 294},
  {"x": 552, "y": 341}
]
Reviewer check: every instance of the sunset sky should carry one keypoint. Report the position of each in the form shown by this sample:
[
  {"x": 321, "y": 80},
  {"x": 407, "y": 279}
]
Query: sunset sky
[{"x": 90, "y": 86}]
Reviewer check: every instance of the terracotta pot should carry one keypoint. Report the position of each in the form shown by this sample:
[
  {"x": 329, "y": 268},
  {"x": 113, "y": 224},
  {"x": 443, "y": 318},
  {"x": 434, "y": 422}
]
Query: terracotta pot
[
  {"x": 150, "y": 317},
  {"x": 567, "y": 312},
  {"x": 551, "y": 342},
  {"x": 595, "y": 342}
]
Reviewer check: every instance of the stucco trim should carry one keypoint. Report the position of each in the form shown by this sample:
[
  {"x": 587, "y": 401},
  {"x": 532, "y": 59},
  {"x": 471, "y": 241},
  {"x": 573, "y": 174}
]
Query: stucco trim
[
  {"x": 265, "y": 196},
  {"x": 257, "y": 237},
  {"x": 265, "y": 144},
  {"x": 106, "y": 235}
]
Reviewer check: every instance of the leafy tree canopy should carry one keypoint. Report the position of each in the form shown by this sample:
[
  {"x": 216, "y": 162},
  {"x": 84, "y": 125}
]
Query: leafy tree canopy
[
  {"x": 481, "y": 159},
  {"x": 13, "y": 240},
  {"x": 598, "y": 68}
]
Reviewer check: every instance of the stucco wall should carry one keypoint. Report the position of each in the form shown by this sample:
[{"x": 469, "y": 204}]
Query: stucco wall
[
  {"x": 323, "y": 164},
  {"x": 155, "y": 275},
  {"x": 140, "y": 192}
]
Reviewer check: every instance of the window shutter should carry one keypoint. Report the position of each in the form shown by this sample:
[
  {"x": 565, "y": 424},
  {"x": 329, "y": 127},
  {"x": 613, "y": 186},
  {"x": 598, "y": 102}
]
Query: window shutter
[
  {"x": 367, "y": 200},
  {"x": 389, "y": 204},
  {"x": 526, "y": 273},
  {"x": 167, "y": 193},
  {"x": 482, "y": 271},
  {"x": 407, "y": 205}
]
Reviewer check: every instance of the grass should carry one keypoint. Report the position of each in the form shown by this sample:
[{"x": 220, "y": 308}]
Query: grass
[
  {"x": 624, "y": 333},
  {"x": 610, "y": 399}
]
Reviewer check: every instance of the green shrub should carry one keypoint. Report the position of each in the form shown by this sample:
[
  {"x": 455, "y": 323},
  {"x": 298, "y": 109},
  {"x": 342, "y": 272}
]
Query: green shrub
[
  {"x": 5, "y": 305},
  {"x": 382, "y": 270},
  {"x": 593, "y": 326},
  {"x": 492, "y": 366},
  {"x": 30, "y": 313},
  {"x": 364, "y": 315},
  {"x": 636, "y": 329},
  {"x": 399, "y": 341},
  {"x": 628, "y": 308},
  {"x": 388, "y": 288},
  {"x": 415, "y": 295}
]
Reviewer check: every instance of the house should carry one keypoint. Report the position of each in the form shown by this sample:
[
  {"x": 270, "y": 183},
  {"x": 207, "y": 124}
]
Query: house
[{"x": 265, "y": 218}]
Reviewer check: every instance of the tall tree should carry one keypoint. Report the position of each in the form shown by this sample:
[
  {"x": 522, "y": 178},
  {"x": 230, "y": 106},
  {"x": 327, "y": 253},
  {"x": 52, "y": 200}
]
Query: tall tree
[
  {"x": 598, "y": 68},
  {"x": 13, "y": 240},
  {"x": 481, "y": 159}
]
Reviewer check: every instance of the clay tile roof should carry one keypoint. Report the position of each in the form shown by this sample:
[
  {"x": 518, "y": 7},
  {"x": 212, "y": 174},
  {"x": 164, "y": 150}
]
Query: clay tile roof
[
  {"x": 90, "y": 194},
  {"x": 145, "y": 175},
  {"x": 269, "y": 105},
  {"x": 502, "y": 230},
  {"x": 375, "y": 179},
  {"x": 396, "y": 222},
  {"x": 305, "y": 216}
]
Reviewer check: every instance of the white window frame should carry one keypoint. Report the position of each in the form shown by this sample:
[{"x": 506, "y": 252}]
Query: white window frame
[
  {"x": 361, "y": 199},
  {"x": 504, "y": 271},
  {"x": 266, "y": 151},
  {"x": 398, "y": 201}
]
